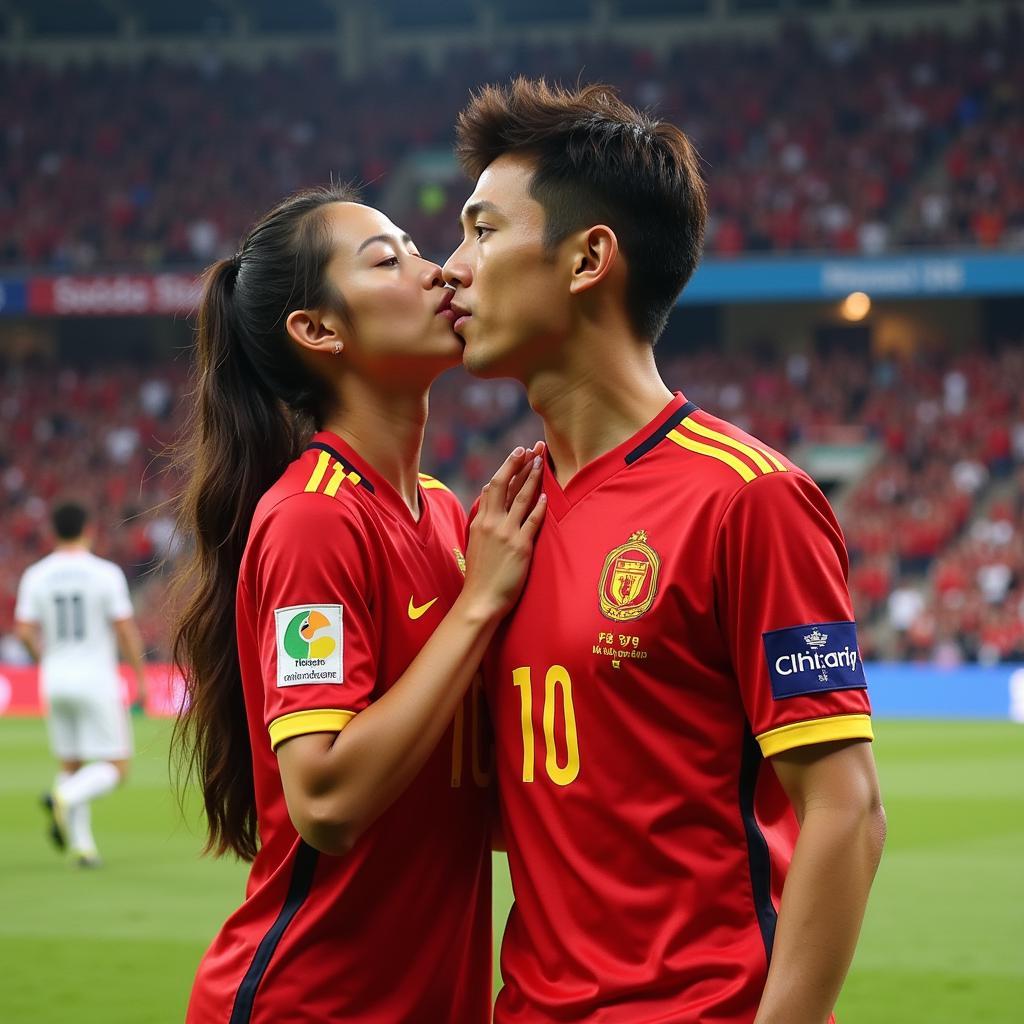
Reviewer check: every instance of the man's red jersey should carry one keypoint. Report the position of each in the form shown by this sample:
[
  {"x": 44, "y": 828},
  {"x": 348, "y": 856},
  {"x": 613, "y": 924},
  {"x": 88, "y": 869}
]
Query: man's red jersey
[
  {"x": 685, "y": 618},
  {"x": 339, "y": 589}
]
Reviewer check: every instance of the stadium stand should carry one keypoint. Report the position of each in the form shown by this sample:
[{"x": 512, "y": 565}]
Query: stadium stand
[
  {"x": 814, "y": 142},
  {"x": 837, "y": 143},
  {"x": 933, "y": 528}
]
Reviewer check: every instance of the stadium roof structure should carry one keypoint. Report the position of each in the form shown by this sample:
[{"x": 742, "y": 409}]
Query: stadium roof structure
[{"x": 22, "y": 20}]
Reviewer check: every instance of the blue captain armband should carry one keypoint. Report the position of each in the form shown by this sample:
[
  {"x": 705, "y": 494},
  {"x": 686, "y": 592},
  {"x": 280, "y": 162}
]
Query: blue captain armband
[{"x": 816, "y": 658}]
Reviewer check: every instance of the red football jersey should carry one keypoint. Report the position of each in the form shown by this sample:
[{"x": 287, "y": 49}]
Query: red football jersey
[
  {"x": 339, "y": 589},
  {"x": 686, "y": 617}
]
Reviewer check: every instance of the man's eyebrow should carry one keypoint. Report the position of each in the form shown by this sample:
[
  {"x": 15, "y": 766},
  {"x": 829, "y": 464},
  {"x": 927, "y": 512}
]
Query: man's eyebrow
[
  {"x": 406, "y": 239},
  {"x": 478, "y": 207}
]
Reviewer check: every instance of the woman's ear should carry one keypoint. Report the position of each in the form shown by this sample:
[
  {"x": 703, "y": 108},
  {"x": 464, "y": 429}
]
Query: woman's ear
[{"x": 313, "y": 332}]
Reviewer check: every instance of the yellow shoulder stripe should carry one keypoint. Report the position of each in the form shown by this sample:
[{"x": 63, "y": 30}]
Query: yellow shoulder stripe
[
  {"x": 715, "y": 453},
  {"x": 756, "y": 455},
  {"x": 316, "y": 478},
  {"x": 301, "y": 723},
  {"x": 428, "y": 483},
  {"x": 817, "y": 730},
  {"x": 340, "y": 475},
  {"x": 320, "y": 470}
]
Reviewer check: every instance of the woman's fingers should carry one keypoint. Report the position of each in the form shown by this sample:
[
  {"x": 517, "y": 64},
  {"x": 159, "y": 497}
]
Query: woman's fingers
[
  {"x": 524, "y": 500},
  {"x": 516, "y": 483},
  {"x": 492, "y": 498},
  {"x": 535, "y": 518}
]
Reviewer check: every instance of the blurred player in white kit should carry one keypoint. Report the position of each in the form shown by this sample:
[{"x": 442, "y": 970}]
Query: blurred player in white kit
[{"x": 72, "y": 613}]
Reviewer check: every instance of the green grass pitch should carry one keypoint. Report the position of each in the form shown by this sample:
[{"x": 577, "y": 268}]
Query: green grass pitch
[{"x": 943, "y": 942}]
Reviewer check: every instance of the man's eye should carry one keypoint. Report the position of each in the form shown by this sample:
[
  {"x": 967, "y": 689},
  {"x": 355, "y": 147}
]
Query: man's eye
[{"x": 481, "y": 230}]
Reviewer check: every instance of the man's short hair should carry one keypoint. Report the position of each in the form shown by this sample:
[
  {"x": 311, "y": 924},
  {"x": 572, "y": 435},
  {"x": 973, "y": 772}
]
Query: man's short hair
[
  {"x": 69, "y": 519},
  {"x": 598, "y": 160}
]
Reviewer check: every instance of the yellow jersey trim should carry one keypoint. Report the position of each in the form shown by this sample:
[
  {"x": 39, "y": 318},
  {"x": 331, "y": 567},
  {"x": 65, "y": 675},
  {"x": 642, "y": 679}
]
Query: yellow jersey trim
[
  {"x": 428, "y": 483},
  {"x": 715, "y": 453},
  {"x": 301, "y": 723},
  {"x": 818, "y": 730},
  {"x": 756, "y": 455},
  {"x": 768, "y": 455},
  {"x": 335, "y": 482},
  {"x": 319, "y": 472}
]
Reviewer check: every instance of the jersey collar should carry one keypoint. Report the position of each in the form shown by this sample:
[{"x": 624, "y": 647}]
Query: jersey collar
[
  {"x": 593, "y": 474},
  {"x": 372, "y": 481}
]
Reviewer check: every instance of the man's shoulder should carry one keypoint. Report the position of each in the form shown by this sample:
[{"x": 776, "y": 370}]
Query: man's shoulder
[{"x": 718, "y": 455}]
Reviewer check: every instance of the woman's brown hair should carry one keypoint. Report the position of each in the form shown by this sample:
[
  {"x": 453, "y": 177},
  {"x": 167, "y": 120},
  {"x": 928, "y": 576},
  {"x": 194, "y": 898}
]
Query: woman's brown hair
[{"x": 255, "y": 406}]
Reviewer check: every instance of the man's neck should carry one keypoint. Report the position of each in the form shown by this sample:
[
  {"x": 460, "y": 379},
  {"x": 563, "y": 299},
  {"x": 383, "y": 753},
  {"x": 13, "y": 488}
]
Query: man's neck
[
  {"x": 387, "y": 431},
  {"x": 71, "y": 546},
  {"x": 602, "y": 393}
]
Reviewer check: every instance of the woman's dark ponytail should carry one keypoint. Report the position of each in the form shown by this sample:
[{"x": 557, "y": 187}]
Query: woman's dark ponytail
[{"x": 255, "y": 405}]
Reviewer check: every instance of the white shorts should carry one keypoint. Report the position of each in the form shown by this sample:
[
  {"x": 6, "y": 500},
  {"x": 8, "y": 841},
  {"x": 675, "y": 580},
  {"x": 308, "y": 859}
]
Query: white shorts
[{"x": 87, "y": 727}]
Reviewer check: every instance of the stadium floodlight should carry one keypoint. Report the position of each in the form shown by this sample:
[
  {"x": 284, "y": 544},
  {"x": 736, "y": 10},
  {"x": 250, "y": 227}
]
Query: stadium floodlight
[{"x": 855, "y": 306}]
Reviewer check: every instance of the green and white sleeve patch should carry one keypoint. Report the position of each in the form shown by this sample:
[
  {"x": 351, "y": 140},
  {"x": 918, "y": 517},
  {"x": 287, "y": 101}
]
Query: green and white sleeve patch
[{"x": 309, "y": 644}]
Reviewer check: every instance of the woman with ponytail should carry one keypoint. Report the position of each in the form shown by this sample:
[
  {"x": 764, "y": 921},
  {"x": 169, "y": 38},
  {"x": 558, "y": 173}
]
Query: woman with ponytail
[{"x": 332, "y": 629}]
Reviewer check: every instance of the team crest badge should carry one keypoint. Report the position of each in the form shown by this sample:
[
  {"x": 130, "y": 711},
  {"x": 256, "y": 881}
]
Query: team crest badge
[{"x": 629, "y": 580}]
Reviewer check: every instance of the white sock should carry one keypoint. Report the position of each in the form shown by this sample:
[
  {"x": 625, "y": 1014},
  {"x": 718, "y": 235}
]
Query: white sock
[
  {"x": 80, "y": 829},
  {"x": 96, "y": 779},
  {"x": 62, "y": 777}
]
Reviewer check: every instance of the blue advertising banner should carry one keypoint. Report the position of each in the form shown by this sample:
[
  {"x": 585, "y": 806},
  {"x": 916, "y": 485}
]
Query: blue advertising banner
[
  {"x": 13, "y": 297},
  {"x": 743, "y": 279},
  {"x": 786, "y": 279},
  {"x": 900, "y": 690}
]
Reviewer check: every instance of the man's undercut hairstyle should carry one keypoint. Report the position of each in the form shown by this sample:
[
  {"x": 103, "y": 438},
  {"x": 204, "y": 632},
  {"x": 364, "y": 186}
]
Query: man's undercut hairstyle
[
  {"x": 69, "y": 519},
  {"x": 599, "y": 161}
]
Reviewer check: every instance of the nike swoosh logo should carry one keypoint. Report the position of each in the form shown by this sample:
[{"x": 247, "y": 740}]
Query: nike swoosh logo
[{"x": 414, "y": 612}]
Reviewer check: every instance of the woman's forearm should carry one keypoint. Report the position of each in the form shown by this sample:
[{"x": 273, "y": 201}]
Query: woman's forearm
[{"x": 363, "y": 768}]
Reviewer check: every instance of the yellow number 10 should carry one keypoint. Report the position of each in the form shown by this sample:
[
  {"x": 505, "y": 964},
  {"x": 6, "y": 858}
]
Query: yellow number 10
[{"x": 557, "y": 678}]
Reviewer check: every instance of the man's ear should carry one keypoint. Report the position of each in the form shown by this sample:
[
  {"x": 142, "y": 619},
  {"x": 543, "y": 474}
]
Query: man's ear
[
  {"x": 315, "y": 333},
  {"x": 594, "y": 256}
]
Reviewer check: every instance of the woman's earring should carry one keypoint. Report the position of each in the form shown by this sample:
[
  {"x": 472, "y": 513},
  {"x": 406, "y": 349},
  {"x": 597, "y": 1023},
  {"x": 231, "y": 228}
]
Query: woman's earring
[{"x": 337, "y": 348}]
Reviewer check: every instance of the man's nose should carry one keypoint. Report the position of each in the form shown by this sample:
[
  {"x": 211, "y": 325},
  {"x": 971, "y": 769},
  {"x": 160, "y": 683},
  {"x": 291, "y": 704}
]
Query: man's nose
[{"x": 456, "y": 271}]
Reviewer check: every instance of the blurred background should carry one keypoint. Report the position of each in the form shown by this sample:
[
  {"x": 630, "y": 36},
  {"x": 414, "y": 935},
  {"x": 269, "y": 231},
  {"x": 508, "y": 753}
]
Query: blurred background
[{"x": 860, "y": 306}]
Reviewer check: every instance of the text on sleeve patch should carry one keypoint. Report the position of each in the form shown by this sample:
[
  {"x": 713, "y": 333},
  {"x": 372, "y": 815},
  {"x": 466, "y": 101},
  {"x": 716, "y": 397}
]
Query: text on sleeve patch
[
  {"x": 815, "y": 658},
  {"x": 309, "y": 644}
]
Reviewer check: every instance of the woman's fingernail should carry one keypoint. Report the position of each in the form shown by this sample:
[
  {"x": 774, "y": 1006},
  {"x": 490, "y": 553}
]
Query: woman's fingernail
[
  {"x": 536, "y": 463},
  {"x": 518, "y": 451}
]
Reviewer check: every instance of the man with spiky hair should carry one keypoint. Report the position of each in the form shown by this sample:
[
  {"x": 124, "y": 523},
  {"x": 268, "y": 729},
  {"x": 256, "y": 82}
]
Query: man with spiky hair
[{"x": 686, "y": 784}]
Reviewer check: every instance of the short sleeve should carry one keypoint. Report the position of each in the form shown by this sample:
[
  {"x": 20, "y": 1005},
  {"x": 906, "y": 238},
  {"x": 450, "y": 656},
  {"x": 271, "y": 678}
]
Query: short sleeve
[
  {"x": 314, "y": 602},
  {"x": 25, "y": 609},
  {"x": 785, "y": 610},
  {"x": 119, "y": 602}
]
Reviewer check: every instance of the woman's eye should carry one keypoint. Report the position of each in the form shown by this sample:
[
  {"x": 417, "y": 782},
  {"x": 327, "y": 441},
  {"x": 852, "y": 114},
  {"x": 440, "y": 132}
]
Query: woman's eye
[{"x": 391, "y": 261}]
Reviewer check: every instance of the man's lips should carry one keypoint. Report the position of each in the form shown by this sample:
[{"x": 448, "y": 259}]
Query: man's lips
[{"x": 461, "y": 315}]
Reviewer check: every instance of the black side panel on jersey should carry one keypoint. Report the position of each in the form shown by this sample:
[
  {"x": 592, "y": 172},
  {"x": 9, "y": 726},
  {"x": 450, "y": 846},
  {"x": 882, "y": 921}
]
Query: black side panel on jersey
[
  {"x": 661, "y": 432},
  {"x": 757, "y": 845},
  {"x": 349, "y": 468},
  {"x": 298, "y": 889}
]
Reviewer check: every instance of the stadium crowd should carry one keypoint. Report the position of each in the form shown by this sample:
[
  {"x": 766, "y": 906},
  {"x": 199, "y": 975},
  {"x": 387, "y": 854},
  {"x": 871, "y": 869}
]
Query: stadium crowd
[
  {"x": 835, "y": 143},
  {"x": 933, "y": 525}
]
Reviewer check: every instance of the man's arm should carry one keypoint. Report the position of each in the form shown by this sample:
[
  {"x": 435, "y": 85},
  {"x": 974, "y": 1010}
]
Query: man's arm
[
  {"x": 129, "y": 640},
  {"x": 28, "y": 634},
  {"x": 834, "y": 790}
]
